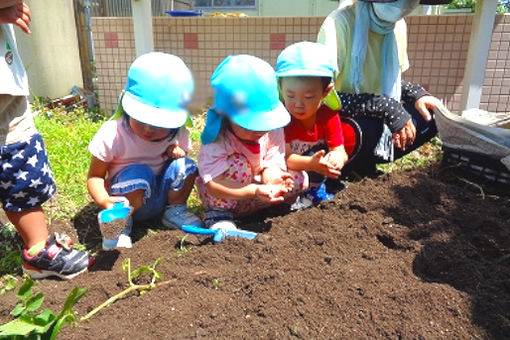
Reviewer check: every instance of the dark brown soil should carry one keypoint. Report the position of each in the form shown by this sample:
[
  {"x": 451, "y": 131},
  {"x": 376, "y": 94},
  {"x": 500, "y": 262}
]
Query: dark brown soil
[{"x": 411, "y": 255}]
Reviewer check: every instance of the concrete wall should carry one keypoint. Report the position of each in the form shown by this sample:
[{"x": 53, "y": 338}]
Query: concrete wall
[
  {"x": 437, "y": 51},
  {"x": 50, "y": 53}
]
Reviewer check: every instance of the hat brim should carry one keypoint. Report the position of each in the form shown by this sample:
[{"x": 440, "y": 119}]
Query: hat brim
[
  {"x": 263, "y": 121},
  {"x": 152, "y": 115},
  {"x": 304, "y": 73}
]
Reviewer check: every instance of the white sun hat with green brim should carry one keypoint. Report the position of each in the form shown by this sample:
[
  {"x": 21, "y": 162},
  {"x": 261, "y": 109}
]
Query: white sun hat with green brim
[
  {"x": 309, "y": 59},
  {"x": 158, "y": 90},
  {"x": 246, "y": 93}
]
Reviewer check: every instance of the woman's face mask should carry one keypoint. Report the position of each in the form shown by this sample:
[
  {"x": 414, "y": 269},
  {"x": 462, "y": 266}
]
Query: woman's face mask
[{"x": 391, "y": 12}]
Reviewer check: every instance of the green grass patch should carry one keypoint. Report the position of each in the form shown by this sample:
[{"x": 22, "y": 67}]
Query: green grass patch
[{"x": 66, "y": 136}]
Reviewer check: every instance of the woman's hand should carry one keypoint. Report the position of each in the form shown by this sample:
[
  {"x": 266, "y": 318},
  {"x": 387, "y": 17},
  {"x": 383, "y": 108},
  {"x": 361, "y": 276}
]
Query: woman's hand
[
  {"x": 405, "y": 136},
  {"x": 425, "y": 104}
]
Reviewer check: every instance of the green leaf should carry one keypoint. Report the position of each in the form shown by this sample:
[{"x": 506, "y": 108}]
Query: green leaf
[
  {"x": 20, "y": 308},
  {"x": 21, "y": 326},
  {"x": 126, "y": 264},
  {"x": 35, "y": 302},
  {"x": 138, "y": 271},
  {"x": 44, "y": 318},
  {"x": 73, "y": 297},
  {"x": 25, "y": 290}
]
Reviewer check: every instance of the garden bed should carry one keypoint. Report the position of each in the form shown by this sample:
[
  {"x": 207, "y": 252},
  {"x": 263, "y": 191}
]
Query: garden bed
[{"x": 417, "y": 254}]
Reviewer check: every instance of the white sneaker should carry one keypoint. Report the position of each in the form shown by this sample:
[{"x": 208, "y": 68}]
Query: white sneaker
[
  {"x": 225, "y": 225},
  {"x": 122, "y": 241}
]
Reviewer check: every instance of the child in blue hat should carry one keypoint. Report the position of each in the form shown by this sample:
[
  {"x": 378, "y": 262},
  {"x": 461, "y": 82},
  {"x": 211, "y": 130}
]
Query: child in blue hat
[
  {"x": 242, "y": 158},
  {"x": 314, "y": 137},
  {"x": 140, "y": 158}
]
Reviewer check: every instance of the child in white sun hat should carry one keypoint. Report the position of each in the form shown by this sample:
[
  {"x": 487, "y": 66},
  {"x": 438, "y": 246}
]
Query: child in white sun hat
[
  {"x": 242, "y": 159},
  {"x": 140, "y": 158}
]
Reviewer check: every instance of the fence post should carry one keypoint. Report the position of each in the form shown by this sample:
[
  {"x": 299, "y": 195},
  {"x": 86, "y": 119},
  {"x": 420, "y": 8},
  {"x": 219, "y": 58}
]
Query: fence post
[{"x": 83, "y": 44}]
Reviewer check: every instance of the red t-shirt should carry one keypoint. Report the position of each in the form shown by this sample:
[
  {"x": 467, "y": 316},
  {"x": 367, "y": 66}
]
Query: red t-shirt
[{"x": 327, "y": 131}]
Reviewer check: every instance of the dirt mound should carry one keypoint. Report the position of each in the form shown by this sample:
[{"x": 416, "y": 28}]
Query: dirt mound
[{"x": 412, "y": 255}]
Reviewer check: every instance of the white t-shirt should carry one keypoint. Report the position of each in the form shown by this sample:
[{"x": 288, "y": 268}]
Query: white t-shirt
[
  {"x": 13, "y": 78},
  {"x": 116, "y": 143}
]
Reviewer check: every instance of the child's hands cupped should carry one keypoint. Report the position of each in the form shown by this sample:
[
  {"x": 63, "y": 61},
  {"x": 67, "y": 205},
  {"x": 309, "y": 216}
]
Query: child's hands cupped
[
  {"x": 405, "y": 136},
  {"x": 270, "y": 193},
  {"x": 174, "y": 151},
  {"x": 321, "y": 165},
  {"x": 336, "y": 158}
]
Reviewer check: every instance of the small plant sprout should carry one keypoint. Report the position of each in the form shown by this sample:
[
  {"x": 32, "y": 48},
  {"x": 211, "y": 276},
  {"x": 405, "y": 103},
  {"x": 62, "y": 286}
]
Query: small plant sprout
[
  {"x": 216, "y": 284},
  {"x": 45, "y": 324},
  {"x": 7, "y": 283},
  {"x": 141, "y": 288}
]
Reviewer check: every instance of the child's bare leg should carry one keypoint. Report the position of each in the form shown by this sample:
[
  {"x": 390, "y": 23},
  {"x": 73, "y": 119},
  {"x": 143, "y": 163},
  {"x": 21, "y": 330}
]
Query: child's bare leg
[
  {"x": 181, "y": 196},
  {"x": 135, "y": 198},
  {"x": 30, "y": 224}
]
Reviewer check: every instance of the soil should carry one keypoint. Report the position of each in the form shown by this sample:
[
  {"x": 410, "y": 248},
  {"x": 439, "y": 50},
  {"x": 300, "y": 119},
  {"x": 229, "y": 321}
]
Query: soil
[{"x": 418, "y": 254}]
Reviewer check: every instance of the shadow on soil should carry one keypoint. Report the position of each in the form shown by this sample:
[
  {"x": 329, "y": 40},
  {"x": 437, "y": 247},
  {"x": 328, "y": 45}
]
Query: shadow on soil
[{"x": 465, "y": 241}]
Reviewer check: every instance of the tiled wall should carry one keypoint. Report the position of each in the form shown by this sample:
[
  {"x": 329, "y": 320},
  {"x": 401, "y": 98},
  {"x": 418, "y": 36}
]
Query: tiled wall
[{"x": 437, "y": 51}]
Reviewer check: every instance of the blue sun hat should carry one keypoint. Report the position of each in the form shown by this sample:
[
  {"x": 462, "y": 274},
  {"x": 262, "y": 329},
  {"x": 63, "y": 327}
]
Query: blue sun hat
[
  {"x": 158, "y": 90},
  {"x": 245, "y": 92},
  {"x": 309, "y": 59},
  {"x": 306, "y": 59}
]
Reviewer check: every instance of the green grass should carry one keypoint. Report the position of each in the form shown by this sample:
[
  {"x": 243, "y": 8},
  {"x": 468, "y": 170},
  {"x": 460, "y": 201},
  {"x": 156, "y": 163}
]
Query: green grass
[{"x": 66, "y": 136}]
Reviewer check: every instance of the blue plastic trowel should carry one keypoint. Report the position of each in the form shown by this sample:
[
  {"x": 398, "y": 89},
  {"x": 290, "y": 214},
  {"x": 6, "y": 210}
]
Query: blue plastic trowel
[
  {"x": 113, "y": 221},
  {"x": 219, "y": 234}
]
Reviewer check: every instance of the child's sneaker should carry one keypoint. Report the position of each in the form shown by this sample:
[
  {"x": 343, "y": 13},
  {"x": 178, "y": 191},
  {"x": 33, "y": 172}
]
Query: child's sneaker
[
  {"x": 301, "y": 203},
  {"x": 318, "y": 194},
  {"x": 177, "y": 215},
  {"x": 56, "y": 259},
  {"x": 122, "y": 241},
  {"x": 224, "y": 224}
]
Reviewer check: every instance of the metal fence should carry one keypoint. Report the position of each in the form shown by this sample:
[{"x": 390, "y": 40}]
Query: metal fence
[{"x": 122, "y": 8}]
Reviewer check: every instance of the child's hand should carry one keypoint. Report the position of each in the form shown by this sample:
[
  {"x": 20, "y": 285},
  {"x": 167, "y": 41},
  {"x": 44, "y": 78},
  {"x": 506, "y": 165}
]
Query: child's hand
[
  {"x": 174, "y": 151},
  {"x": 321, "y": 165},
  {"x": 277, "y": 176},
  {"x": 405, "y": 136},
  {"x": 270, "y": 193},
  {"x": 337, "y": 158},
  {"x": 17, "y": 14},
  {"x": 111, "y": 200}
]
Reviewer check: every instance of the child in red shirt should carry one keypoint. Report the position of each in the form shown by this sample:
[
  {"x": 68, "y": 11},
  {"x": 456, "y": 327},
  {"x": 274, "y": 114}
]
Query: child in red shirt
[{"x": 314, "y": 138}]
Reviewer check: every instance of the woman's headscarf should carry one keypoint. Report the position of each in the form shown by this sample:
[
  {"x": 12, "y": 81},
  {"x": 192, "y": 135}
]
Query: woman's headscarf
[{"x": 379, "y": 18}]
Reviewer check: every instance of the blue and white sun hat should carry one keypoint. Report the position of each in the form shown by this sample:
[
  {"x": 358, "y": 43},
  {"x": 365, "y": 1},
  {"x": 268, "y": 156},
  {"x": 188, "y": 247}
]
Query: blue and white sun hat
[
  {"x": 309, "y": 59},
  {"x": 245, "y": 92},
  {"x": 158, "y": 90},
  {"x": 304, "y": 59}
]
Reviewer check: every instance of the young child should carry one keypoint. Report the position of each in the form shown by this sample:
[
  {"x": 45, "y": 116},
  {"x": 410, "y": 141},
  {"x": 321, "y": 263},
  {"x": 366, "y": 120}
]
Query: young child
[
  {"x": 242, "y": 160},
  {"x": 140, "y": 158},
  {"x": 314, "y": 139},
  {"x": 26, "y": 180}
]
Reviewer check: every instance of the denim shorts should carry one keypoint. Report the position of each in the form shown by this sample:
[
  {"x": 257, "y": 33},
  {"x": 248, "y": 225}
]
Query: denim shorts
[
  {"x": 140, "y": 176},
  {"x": 26, "y": 180}
]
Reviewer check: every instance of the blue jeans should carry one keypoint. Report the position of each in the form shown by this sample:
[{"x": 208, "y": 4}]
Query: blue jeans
[{"x": 140, "y": 176}]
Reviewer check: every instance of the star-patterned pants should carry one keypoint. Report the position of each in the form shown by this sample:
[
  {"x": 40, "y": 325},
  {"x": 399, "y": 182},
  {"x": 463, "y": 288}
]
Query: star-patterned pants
[{"x": 26, "y": 180}]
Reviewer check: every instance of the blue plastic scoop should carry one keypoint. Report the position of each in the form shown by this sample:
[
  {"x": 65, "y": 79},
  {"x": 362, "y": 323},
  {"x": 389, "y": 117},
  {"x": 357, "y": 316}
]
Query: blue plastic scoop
[
  {"x": 219, "y": 234},
  {"x": 113, "y": 221}
]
